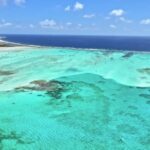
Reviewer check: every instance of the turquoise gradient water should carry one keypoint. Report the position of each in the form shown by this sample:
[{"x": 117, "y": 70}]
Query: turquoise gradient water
[{"x": 68, "y": 99}]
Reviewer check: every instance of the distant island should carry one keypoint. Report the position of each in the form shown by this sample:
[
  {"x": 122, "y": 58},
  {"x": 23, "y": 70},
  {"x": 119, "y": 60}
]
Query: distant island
[{"x": 4, "y": 43}]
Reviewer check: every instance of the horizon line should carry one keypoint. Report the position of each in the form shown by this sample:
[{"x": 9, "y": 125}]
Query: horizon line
[{"x": 1, "y": 34}]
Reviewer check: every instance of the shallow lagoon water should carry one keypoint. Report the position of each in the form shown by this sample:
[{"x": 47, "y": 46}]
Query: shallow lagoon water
[{"x": 62, "y": 99}]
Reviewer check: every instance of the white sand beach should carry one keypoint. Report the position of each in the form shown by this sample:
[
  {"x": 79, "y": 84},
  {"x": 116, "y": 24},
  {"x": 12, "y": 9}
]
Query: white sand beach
[{"x": 10, "y": 46}]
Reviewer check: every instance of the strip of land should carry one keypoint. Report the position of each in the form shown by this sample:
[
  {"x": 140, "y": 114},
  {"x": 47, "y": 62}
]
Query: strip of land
[
  {"x": 7, "y": 46},
  {"x": 4, "y": 43}
]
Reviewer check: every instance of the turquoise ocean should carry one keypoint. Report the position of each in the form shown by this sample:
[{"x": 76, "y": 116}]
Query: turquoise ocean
[{"x": 74, "y": 99}]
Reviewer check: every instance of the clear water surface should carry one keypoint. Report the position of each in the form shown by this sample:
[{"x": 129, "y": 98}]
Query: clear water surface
[{"x": 67, "y": 99}]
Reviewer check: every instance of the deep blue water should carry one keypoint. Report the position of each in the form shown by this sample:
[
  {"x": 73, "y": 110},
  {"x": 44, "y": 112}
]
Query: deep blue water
[{"x": 96, "y": 42}]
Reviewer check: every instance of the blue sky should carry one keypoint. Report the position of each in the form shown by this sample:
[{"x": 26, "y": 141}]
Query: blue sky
[{"x": 83, "y": 17}]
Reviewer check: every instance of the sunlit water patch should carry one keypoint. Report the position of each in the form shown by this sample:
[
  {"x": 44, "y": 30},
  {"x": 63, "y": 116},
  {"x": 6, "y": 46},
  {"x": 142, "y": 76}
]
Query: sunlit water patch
[{"x": 62, "y": 99}]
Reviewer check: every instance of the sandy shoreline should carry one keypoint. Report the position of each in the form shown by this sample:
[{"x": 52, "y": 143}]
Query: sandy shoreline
[
  {"x": 10, "y": 46},
  {"x": 4, "y": 45}
]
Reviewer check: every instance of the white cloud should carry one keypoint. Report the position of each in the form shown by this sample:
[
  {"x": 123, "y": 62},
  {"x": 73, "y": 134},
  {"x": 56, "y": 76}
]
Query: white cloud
[
  {"x": 145, "y": 22},
  {"x": 88, "y": 16},
  {"x": 113, "y": 26},
  {"x": 16, "y": 2},
  {"x": 51, "y": 24},
  {"x": 78, "y": 6},
  {"x": 68, "y": 8},
  {"x": 125, "y": 20},
  {"x": 117, "y": 12},
  {"x": 68, "y": 23},
  {"x": 31, "y": 26},
  {"x": 79, "y": 25},
  {"x": 48, "y": 23},
  {"x": 4, "y": 23},
  {"x": 19, "y": 2}
]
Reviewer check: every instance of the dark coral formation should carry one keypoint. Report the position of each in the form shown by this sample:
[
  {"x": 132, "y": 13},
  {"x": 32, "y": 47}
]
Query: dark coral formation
[
  {"x": 148, "y": 102},
  {"x": 72, "y": 70},
  {"x": 61, "y": 92},
  {"x": 41, "y": 85},
  {"x": 52, "y": 88},
  {"x": 144, "y": 70},
  {"x": 147, "y": 96},
  {"x": 6, "y": 72},
  {"x": 13, "y": 136},
  {"x": 127, "y": 55}
]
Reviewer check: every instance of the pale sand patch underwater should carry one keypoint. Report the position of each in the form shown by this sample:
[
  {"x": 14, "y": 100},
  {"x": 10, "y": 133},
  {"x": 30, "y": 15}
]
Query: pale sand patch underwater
[{"x": 56, "y": 98}]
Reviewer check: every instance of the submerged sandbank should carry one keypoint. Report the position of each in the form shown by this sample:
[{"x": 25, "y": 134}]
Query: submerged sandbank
[{"x": 130, "y": 69}]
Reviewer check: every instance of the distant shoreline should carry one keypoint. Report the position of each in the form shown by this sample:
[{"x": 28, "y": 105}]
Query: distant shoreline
[{"x": 6, "y": 45}]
